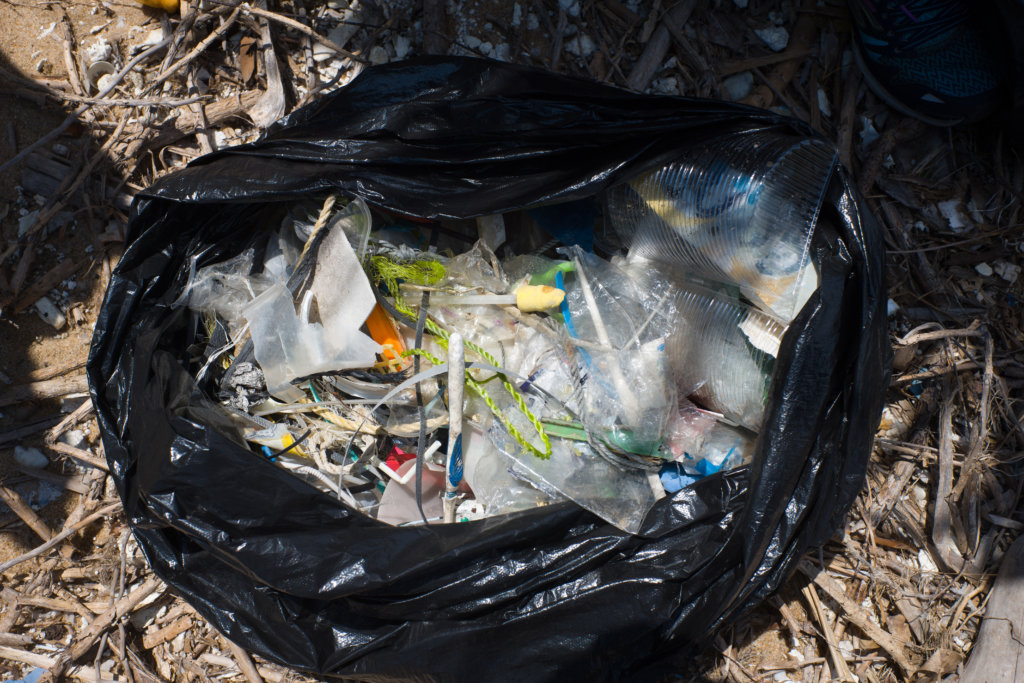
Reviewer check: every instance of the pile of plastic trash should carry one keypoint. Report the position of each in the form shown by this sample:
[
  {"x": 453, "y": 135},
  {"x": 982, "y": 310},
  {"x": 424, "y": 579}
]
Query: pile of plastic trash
[{"x": 607, "y": 351}]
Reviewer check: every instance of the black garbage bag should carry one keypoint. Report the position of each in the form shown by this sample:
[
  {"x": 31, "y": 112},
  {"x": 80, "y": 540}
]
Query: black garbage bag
[{"x": 545, "y": 594}]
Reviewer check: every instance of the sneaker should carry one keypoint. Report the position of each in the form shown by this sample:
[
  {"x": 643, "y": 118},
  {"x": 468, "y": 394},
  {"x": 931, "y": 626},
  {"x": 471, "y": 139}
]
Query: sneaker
[{"x": 927, "y": 59}]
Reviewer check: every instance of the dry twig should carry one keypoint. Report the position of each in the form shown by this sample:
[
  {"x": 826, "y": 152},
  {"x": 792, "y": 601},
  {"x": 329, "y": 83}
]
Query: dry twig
[
  {"x": 858, "y": 617},
  {"x": 302, "y": 28},
  {"x": 13, "y": 562},
  {"x": 98, "y": 627},
  {"x": 811, "y": 596},
  {"x": 77, "y": 113}
]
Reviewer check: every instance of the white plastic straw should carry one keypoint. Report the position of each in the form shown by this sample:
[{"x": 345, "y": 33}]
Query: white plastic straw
[
  {"x": 456, "y": 387},
  {"x": 626, "y": 395}
]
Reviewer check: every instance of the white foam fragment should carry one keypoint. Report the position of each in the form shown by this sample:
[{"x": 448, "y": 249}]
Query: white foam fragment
[
  {"x": 501, "y": 52},
  {"x": 30, "y": 457},
  {"x": 26, "y": 222},
  {"x": 581, "y": 46},
  {"x": 950, "y": 210},
  {"x": 402, "y": 47},
  {"x": 149, "y": 40},
  {"x": 99, "y": 51},
  {"x": 378, "y": 55},
  {"x": 924, "y": 560},
  {"x": 775, "y": 37},
  {"x": 571, "y": 7},
  {"x": 868, "y": 132},
  {"x": 974, "y": 211},
  {"x": 50, "y": 314},
  {"x": 1008, "y": 271},
  {"x": 74, "y": 438},
  {"x": 983, "y": 269},
  {"x": 738, "y": 86},
  {"x": 823, "y": 104},
  {"x": 665, "y": 86}
]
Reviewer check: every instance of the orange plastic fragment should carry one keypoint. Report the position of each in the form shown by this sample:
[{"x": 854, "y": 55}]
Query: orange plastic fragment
[
  {"x": 383, "y": 331},
  {"x": 167, "y": 5}
]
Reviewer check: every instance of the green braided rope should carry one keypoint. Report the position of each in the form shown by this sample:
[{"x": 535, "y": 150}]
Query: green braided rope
[
  {"x": 520, "y": 403},
  {"x": 431, "y": 272},
  {"x": 388, "y": 272}
]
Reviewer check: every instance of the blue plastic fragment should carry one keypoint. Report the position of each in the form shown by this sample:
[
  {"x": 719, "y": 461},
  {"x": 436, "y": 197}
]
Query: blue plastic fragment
[
  {"x": 673, "y": 478},
  {"x": 32, "y": 676}
]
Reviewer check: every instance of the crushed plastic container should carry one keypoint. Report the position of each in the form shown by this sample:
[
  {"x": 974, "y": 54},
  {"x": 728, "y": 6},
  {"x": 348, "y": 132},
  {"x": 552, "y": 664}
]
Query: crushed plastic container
[{"x": 742, "y": 211}]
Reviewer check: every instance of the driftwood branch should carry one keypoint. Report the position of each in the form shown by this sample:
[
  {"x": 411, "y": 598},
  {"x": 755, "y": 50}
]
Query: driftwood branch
[
  {"x": 657, "y": 47},
  {"x": 25, "y": 512},
  {"x": 50, "y": 388}
]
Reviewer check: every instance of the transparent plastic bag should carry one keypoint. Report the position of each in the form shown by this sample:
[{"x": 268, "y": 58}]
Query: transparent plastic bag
[
  {"x": 619, "y": 496},
  {"x": 488, "y": 327},
  {"x": 226, "y": 288},
  {"x": 703, "y": 444},
  {"x": 635, "y": 422},
  {"x": 290, "y": 344},
  {"x": 740, "y": 211},
  {"x": 354, "y": 219},
  {"x": 476, "y": 268},
  {"x": 634, "y": 310},
  {"x": 726, "y": 349},
  {"x": 539, "y": 270},
  {"x": 488, "y": 471},
  {"x": 621, "y": 327}
]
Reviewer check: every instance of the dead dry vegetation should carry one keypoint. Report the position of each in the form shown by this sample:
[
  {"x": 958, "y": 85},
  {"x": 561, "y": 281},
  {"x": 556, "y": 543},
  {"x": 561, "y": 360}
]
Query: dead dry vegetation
[{"x": 897, "y": 595}]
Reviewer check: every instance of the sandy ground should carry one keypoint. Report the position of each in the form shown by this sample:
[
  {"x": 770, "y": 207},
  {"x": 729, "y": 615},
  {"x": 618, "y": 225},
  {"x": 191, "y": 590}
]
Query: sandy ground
[{"x": 28, "y": 345}]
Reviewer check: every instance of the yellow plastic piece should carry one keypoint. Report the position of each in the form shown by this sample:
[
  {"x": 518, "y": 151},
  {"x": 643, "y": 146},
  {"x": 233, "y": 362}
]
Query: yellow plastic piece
[
  {"x": 166, "y": 5},
  {"x": 535, "y": 298},
  {"x": 276, "y": 437}
]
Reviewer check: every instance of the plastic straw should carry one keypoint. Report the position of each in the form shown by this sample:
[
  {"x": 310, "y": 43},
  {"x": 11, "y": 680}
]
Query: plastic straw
[
  {"x": 626, "y": 396},
  {"x": 456, "y": 386}
]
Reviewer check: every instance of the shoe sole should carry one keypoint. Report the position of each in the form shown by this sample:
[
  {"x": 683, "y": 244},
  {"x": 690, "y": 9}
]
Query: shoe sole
[{"x": 891, "y": 100}]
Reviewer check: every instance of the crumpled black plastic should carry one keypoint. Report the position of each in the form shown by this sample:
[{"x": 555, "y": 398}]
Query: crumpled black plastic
[{"x": 546, "y": 594}]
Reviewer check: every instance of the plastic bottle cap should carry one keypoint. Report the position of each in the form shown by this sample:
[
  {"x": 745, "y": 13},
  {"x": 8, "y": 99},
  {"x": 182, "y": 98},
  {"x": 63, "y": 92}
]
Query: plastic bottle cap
[{"x": 533, "y": 298}]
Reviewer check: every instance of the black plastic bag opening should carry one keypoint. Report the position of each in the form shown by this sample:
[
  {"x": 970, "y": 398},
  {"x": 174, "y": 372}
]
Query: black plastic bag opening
[{"x": 546, "y": 594}]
